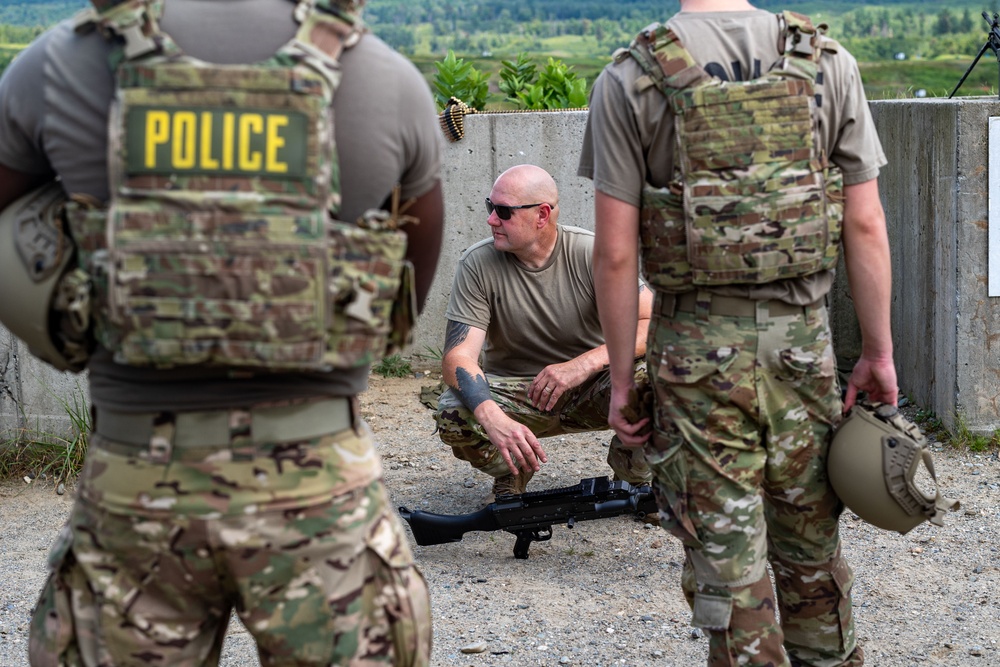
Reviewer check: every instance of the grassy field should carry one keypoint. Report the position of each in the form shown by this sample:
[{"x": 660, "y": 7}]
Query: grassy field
[
  {"x": 882, "y": 80},
  {"x": 587, "y": 56},
  {"x": 889, "y": 79},
  {"x": 938, "y": 78}
]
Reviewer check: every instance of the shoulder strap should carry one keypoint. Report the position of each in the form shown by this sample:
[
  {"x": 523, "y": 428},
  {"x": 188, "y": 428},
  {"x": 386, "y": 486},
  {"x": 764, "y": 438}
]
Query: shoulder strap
[
  {"x": 326, "y": 27},
  {"x": 669, "y": 66},
  {"x": 798, "y": 34},
  {"x": 801, "y": 44},
  {"x": 134, "y": 22},
  {"x": 802, "y": 39}
]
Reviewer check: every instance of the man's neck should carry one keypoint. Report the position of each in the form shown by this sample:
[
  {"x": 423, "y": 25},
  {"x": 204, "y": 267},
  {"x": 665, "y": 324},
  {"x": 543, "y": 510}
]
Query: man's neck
[
  {"x": 539, "y": 254},
  {"x": 716, "y": 6}
]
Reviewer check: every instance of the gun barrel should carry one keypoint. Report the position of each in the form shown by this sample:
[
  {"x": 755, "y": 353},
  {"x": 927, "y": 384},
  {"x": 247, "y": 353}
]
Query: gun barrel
[
  {"x": 532, "y": 515},
  {"x": 430, "y": 528}
]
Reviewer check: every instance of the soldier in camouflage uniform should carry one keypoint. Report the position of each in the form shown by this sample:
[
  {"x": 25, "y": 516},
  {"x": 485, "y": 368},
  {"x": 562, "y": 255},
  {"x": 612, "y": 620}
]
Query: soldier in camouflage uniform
[
  {"x": 245, "y": 480},
  {"x": 525, "y": 298},
  {"x": 731, "y": 186}
]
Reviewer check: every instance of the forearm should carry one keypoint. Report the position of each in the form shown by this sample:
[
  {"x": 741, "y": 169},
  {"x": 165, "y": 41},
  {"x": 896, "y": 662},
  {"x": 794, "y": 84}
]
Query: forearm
[
  {"x": 460, "y": 364},
  {"x": 641, "y": 335},
  {"x": 869, "y": 270},
  {"x": 597, "y": 359},
  {"x": 616, "y": 270},
  {"x": 423, "y": 246},
  {"x": 592, "y": 361}
]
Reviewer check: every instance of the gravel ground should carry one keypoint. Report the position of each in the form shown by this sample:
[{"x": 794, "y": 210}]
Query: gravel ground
[{"x": 606, "y": 592}]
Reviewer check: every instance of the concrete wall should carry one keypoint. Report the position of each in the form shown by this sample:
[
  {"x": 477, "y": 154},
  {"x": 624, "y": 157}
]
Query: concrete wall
[
  {"x": 935, "y": 195},
  {"x": 35, "y": 399}
]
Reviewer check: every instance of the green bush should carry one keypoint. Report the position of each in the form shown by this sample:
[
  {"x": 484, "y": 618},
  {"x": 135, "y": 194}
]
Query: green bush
[
  {"x": 558, "y": 87},
  {"x": 516, "y": 77},
  {"x": 457, "y": 78}
]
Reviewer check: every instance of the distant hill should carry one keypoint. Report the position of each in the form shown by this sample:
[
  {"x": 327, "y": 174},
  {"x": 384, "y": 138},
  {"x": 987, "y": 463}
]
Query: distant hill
[
  {"x": 906, "y": 47},
  {"x": 478, "y": 13},
  {"x": 41, "y": 13}
]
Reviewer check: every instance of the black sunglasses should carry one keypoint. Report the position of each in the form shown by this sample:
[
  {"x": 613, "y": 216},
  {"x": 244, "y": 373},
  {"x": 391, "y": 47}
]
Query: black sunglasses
[{"x": 504, "y": 212}]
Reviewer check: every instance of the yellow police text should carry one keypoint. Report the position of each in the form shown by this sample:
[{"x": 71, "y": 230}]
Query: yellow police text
[{"x": 211, "y": 141}]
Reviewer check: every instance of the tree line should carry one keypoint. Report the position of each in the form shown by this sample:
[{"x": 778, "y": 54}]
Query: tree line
[{"x": 428, "y": 29}]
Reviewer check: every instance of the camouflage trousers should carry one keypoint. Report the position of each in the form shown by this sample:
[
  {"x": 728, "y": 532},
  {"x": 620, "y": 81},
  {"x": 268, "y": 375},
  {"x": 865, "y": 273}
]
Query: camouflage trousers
[
  {"x": 745, "y": 409},
  {"x": 297, "y": 537},
  {"x": 584, "y": 408}
]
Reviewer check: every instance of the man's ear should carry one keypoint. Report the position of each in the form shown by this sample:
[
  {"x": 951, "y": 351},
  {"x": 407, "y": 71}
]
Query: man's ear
[{"x": 544, "y": 215}]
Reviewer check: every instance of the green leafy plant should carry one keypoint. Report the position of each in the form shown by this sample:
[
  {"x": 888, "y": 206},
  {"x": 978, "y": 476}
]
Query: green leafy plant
[
  {"x": 393, "y": 366},
  {"x": 558, "y": 87},
  {"x": 516, "y": 77},
  {"x": 457, "y": 78}
]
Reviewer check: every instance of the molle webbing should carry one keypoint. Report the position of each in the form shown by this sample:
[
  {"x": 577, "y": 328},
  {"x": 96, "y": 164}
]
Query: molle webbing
[
  {"x": 219, "y": 246},
  {"x": 752, "y": 200}
]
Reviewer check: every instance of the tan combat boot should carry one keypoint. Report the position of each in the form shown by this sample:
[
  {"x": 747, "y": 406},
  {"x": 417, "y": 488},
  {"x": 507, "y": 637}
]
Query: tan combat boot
[{"x": 509, "y": 485}]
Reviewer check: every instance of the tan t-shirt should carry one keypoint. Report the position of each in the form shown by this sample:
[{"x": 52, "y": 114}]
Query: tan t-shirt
[
  {"x": 630, "y": 135},
  {"x": 53, "y": 120},
  {"x": 532, "y": 317}
]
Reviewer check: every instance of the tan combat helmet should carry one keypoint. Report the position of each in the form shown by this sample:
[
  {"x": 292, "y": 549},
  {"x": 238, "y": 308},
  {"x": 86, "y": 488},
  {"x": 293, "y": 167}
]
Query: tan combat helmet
[
  {"x": 36, "y": 255},
  {"x": 874, "y": 458}
]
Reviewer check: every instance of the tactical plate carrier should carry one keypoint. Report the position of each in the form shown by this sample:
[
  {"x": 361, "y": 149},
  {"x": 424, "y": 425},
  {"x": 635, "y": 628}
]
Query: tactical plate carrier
[
  {"x": 221, "y": 245},
  {"x": 753, "y": 198}
]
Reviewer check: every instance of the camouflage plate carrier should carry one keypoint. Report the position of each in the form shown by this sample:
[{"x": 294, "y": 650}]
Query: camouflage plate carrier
[
  {"x": 753, "y": 198},
  {"x": 220, "y": 245}
]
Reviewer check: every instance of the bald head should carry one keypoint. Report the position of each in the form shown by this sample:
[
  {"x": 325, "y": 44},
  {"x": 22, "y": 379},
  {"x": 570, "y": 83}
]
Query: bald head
[
  {"x": 529, "y": 184},
  {"x": 530, "y": 229}
]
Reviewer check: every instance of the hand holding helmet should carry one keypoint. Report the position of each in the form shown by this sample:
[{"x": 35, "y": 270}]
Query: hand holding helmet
[{"x": 874, "y": 457}]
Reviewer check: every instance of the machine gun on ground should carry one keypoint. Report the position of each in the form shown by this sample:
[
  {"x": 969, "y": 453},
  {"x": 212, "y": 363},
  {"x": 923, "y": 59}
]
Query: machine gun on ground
[
  {"x": 530, "y": 516},
  {"x": 993, "y": 44}
]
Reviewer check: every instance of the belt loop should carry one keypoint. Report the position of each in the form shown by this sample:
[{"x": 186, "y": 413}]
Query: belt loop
[
  {"x": 814, "y": 311},
  {"x": 762, "y": 313},
  {"x": 667, "y": 305},
  {"x": 241, "y": 444},
  {"x": 161, "y": 440},
  {"x": 702, "y": 305}
]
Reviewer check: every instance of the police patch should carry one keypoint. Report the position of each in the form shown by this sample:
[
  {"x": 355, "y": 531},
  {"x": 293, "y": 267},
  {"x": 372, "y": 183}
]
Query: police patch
[{"x": 233, "y": 142}]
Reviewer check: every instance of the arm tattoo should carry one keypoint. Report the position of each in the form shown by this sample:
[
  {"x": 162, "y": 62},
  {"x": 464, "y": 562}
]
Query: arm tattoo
[
  {"x": 454, "y": 335},
  {"x": 472, "y": 390}
]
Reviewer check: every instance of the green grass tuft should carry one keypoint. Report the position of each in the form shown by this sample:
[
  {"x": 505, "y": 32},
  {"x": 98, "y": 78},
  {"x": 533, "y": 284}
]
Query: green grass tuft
[
  {"x": 964, "y": 438},
  {"x": 40, "y": 455},
  {"x": 393, "y": 366}
]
